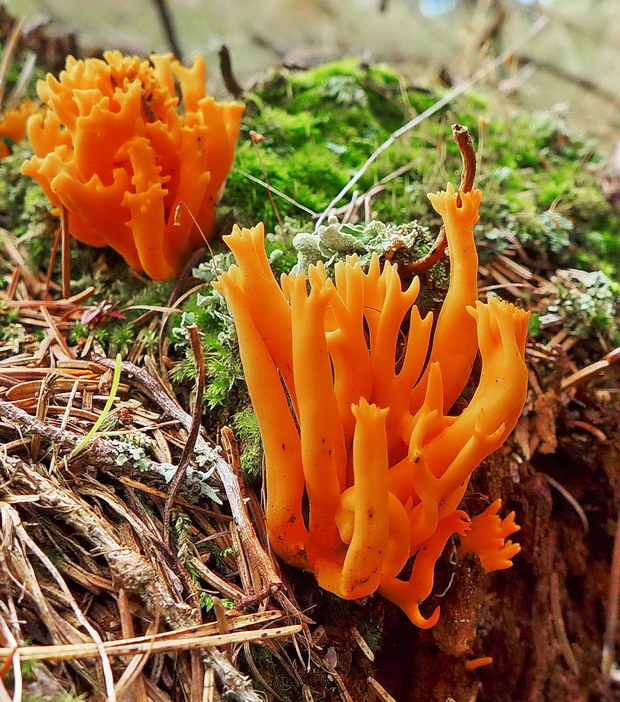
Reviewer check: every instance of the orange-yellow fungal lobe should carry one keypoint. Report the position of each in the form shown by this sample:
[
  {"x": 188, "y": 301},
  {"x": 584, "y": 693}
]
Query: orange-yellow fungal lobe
[
  {"x": 13, "y": 124},
  {"x": 351, "y": 388},
  {"x": 487, "y": 539},
  {"x": 476, "y": 663},
  {"x": 454, "y": 322},
  {"x": 115, "y": 151}
]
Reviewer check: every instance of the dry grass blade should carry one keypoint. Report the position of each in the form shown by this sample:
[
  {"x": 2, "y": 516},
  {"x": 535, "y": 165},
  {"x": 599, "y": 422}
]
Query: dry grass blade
[
  {"x": 558, "y": 623},
  {"x": 277, "y": 192},
  {"x": 380, "y": 690},
  {"x": 119, "y": 648},
  {"x": 613, "y": 610}
]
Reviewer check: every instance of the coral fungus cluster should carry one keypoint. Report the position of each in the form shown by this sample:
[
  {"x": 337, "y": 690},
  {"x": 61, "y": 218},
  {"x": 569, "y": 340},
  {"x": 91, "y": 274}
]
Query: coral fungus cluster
[
  {"x": 365, "y": 468},
  {"x": 13, "y": 124},
  {"x": 120, "y": 153}
]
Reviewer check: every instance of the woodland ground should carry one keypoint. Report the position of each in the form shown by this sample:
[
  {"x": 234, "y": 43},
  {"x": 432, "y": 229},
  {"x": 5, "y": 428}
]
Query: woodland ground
[{"x": 86, "y": 553}]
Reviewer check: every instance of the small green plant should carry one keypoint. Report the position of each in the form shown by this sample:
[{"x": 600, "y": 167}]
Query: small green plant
[{"x": 116, "y": 379}]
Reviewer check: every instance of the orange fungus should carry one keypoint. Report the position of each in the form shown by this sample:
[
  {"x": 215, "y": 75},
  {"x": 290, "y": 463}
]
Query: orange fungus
[
  {"x": 352, "y": 389},
  {"x": 120, "y": 150},
  {"x": 13, "y": 124}
]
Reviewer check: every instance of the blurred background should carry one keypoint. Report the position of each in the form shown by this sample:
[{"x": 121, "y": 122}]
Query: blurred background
[{"x": 571, "y": 62}]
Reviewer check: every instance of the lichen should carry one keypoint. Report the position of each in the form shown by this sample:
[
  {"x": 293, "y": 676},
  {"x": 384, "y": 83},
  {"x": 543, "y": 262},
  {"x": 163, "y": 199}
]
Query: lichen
[{"x": 587, "y": 304}]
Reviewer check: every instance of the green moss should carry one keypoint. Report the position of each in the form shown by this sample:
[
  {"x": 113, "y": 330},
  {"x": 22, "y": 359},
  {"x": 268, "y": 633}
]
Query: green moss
[
  {"x": 248, "y": 434},
  {"x": 23, "y": 206},
  {"x": 539, "y": 177}
]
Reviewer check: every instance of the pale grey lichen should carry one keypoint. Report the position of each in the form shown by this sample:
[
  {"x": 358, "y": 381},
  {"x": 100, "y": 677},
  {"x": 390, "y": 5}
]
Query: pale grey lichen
[
  {"x": 197, "y": 484},
  {"x": 334, "y": 241},
  {"x": 586, "y": 303}
]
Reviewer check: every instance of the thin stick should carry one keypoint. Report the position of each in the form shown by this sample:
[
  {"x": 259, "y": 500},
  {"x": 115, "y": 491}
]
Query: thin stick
[
  {"x": 558, "y": 623},
  {"x": 113, "y": 648},
  {"x": 468, "y": 155},
  {"x": 50, "y": 267},
  {"x": 257, "y": 139},
  {"x": 19, "y": 88},
  {"x": 13, "y": 659},
  {"x": 65, "y": 252},
  {"x": 277, "y": 192},
  {"x": 194, "y": 430},
  {"x": 488, "y": 68},
  {"x": 165, "y": 18},
  {"x": 228, "y": 76},
  {"x": 570, "y": 499},
  {"x": 463, "y": 140},
  {"x": 613, "y": 607},
  {"x": 9, "y": 51}
]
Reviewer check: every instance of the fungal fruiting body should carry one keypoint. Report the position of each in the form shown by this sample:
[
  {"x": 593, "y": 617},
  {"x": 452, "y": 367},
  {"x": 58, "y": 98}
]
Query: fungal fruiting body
[
  {"x": 13, "y": 124},
  {"x": 131, "y": 166},
  {"x": 365, "y": 469}
]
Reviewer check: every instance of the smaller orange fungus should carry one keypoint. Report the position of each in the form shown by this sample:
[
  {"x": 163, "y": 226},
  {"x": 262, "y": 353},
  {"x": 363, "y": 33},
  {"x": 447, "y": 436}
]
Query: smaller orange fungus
[
  {"x": 365, "y": 467},
  {"x": 120, "y": 151},
  {"x": 487, "y": 539},
  {"x": 13, "y": 124},
  {"x": 476, "y": 663}
]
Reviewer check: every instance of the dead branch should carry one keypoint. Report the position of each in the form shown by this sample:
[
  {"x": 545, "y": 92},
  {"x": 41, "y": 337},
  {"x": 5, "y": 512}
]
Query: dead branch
[
  {"x": 463, "y": 140},
  {"x": 226, "y": 69},
  {"x": 100, "y": 451},
  {"x": 165, "y": 17},
  {"x": 194, "y": 430}
]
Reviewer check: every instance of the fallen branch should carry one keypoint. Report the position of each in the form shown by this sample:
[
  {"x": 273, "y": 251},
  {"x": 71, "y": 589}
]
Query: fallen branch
[
  {"x": 148, "y": 645},
  {"x": 100, "y": 451},
  {"x": 594, "y": 368},
  {"x": 226, "y": 69},
  {"x": 194, "y": 430}
]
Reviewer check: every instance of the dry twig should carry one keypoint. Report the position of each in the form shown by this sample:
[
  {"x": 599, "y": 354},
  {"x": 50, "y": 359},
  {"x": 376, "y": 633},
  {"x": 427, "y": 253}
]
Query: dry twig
[
  {"x": 194, "y": 429},
  {"x": 468, "y": 175}
]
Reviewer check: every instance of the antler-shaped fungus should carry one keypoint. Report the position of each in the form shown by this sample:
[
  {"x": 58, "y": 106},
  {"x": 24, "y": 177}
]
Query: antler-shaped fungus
[
  {"x": 114, "y": 149},
  {"x": 365, "y": 438}
]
